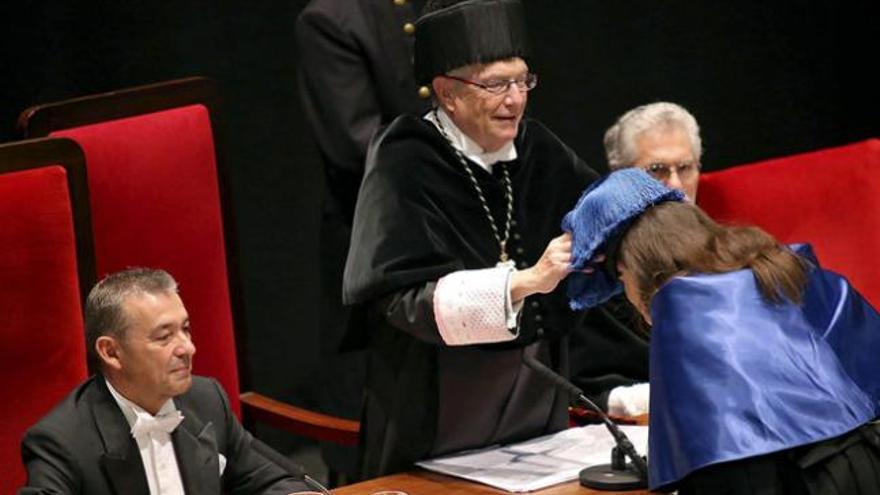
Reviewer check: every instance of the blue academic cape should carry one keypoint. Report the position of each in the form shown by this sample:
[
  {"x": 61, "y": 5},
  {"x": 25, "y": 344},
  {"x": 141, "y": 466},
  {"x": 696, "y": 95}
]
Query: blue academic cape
[{"x": 734, "y": 376}]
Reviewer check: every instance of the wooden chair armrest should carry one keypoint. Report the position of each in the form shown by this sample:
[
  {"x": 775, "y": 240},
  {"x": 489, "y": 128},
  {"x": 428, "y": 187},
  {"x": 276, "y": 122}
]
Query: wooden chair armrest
[{"x": 300, "y": 421}]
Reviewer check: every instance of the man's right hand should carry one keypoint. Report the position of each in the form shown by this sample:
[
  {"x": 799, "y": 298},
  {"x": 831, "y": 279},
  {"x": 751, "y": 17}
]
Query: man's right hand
[{"x": 543, "y": 277}]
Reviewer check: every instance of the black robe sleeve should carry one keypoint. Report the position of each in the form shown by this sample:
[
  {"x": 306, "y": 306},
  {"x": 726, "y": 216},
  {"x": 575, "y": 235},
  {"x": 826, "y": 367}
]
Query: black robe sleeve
[{"x": 412, "y": 310}]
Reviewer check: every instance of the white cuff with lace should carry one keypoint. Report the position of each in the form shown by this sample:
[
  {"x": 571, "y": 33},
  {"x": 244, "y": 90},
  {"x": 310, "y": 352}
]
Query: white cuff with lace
[
  {"x": 629, "y": 401},
  {"x": 474, "y": 307}
]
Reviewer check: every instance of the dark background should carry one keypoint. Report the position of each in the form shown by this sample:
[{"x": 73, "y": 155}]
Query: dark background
[{"x": 763, "y": 79}]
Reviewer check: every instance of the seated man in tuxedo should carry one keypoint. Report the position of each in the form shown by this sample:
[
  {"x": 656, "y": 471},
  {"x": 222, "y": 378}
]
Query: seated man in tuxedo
[{"x": 144, "y": 424}]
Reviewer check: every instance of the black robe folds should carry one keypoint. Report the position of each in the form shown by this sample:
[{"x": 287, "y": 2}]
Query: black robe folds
[
  {"x": 609, "y": 350},
  {"x": 356, "y": 75},
  {"x": 419, "y": 218}
]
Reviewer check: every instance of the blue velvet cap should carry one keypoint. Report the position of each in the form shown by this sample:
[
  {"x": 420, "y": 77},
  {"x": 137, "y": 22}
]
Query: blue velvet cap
[{"x": 602, "y": 214}]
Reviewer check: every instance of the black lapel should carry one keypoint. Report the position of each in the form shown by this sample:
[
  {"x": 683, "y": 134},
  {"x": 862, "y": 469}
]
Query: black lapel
[
  {"x": 121, "y": 461},
  {"x": 195, "y": 445}
]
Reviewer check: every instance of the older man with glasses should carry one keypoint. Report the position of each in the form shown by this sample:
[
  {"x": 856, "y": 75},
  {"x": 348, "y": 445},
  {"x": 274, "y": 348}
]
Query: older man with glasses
[
  {"x": 661, "y": 138},
  {"x": 610, "y": 358},
  {"x": 457, "y": 251}
]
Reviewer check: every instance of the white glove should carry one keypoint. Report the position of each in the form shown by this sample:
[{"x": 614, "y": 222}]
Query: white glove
[{"x": 629, "y": 401}]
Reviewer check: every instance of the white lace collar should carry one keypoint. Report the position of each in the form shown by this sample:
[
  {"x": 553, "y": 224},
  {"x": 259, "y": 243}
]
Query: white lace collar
[{"x": 473, "y": 151}]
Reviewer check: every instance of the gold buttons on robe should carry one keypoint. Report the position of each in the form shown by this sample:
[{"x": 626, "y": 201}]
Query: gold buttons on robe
[
  {"x": 399, "y": 2},
  {"x": 424, "y": 92},
  {"x": 409, "y": 28}
]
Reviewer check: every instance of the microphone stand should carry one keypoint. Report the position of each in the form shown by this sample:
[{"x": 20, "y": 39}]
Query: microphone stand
[{"x": 618, "y": 475}]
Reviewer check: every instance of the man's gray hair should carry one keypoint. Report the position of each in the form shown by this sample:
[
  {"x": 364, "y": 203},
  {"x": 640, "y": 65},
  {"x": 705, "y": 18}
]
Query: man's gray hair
[
  {"x": 104, "y": 312},
  {"x": 620, "y": 139}
]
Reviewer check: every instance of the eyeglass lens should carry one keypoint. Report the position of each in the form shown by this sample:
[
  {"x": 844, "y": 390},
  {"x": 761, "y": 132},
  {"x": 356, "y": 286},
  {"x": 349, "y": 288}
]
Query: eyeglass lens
[
  {"x": 663, "y": 171},
  {"x": 524, "y": 83}
]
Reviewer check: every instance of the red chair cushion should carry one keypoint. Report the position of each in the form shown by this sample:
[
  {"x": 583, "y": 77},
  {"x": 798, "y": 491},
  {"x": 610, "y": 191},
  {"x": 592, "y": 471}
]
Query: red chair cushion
[
  {"x": 155, "y": 202},
  {"x": 42, "y": 342},
  {"x": 829, "y": 198}
]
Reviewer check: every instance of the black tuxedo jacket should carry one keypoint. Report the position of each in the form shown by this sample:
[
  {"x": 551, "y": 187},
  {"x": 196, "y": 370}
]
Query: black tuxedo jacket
[{"x": 84, "y": 446}]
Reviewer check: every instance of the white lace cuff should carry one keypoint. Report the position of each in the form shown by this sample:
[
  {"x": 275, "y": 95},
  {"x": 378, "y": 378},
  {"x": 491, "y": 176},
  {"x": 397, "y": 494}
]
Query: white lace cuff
[{"x": 474, "y": 307}]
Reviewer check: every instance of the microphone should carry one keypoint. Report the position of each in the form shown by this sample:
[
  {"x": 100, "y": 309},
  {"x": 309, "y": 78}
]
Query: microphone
[
  {"x": 618, "y": 475},
  {"x": 292, "y": 468}
]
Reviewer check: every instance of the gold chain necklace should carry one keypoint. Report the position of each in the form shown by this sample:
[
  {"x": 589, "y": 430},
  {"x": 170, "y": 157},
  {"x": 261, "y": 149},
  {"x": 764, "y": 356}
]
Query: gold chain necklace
[{"x": 508, "y": 194}]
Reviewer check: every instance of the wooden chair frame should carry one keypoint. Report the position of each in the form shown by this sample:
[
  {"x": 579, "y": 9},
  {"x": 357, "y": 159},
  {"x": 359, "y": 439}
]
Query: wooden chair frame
[{"x": 36, "y": 153}]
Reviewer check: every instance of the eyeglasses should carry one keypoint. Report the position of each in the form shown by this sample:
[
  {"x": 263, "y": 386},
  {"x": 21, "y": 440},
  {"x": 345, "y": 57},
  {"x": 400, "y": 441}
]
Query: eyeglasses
[
  {"x": 501, "y": 86},
  {"x": 662, "y": 171}
]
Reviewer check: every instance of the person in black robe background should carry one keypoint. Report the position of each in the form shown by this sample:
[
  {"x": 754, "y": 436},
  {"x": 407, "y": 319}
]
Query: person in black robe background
[
  {"x": 355, "y": 76},
  {"x": 444, "y": 198}
]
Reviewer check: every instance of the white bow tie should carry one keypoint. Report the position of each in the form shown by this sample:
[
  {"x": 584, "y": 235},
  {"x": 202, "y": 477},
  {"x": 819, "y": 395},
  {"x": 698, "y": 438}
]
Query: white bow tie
[{"x": 162, "y": 423}]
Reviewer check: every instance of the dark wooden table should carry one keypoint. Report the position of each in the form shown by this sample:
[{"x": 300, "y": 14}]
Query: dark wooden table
[{"x": 421, "y": 482}]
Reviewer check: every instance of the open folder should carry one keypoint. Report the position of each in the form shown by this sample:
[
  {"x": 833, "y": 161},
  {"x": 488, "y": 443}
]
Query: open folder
[{"x": 540, "y": 462}]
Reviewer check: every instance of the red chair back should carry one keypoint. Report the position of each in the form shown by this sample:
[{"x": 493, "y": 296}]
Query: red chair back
[
  {"x": 44, "y": 230},
  {"x": 829, "y": 198},
  {"x": 157, "y": 200}
]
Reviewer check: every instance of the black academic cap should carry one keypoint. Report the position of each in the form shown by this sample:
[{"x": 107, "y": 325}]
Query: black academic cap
[{"x": 469, "y": 32}]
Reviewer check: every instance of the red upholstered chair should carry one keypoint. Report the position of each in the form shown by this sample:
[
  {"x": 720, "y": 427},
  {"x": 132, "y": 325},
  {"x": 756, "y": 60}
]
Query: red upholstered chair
[
  {"x": 44, "y": 230},
  {"x": 158, "y": 199},
  {"x": 829, "y": 198}
]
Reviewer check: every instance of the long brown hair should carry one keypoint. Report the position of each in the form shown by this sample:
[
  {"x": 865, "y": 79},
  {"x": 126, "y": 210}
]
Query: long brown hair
[{"x": 678, "y": 238}]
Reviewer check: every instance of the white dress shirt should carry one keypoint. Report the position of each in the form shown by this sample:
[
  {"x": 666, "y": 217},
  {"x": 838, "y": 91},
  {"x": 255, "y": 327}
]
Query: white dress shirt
[{"x": 157, "y": 450}]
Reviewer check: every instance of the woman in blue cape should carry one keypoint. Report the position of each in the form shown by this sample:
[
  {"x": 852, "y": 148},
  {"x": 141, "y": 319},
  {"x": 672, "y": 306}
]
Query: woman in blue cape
[{"x": 764, "y": 371}]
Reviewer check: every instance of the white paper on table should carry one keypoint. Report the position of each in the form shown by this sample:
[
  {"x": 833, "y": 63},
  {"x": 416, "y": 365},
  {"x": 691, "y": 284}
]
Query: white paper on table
[{"x": 540, "y": 462}]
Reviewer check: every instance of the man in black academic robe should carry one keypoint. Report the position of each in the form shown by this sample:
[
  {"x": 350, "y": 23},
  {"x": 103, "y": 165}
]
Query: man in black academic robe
[{"x": 422, "y": 221}]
